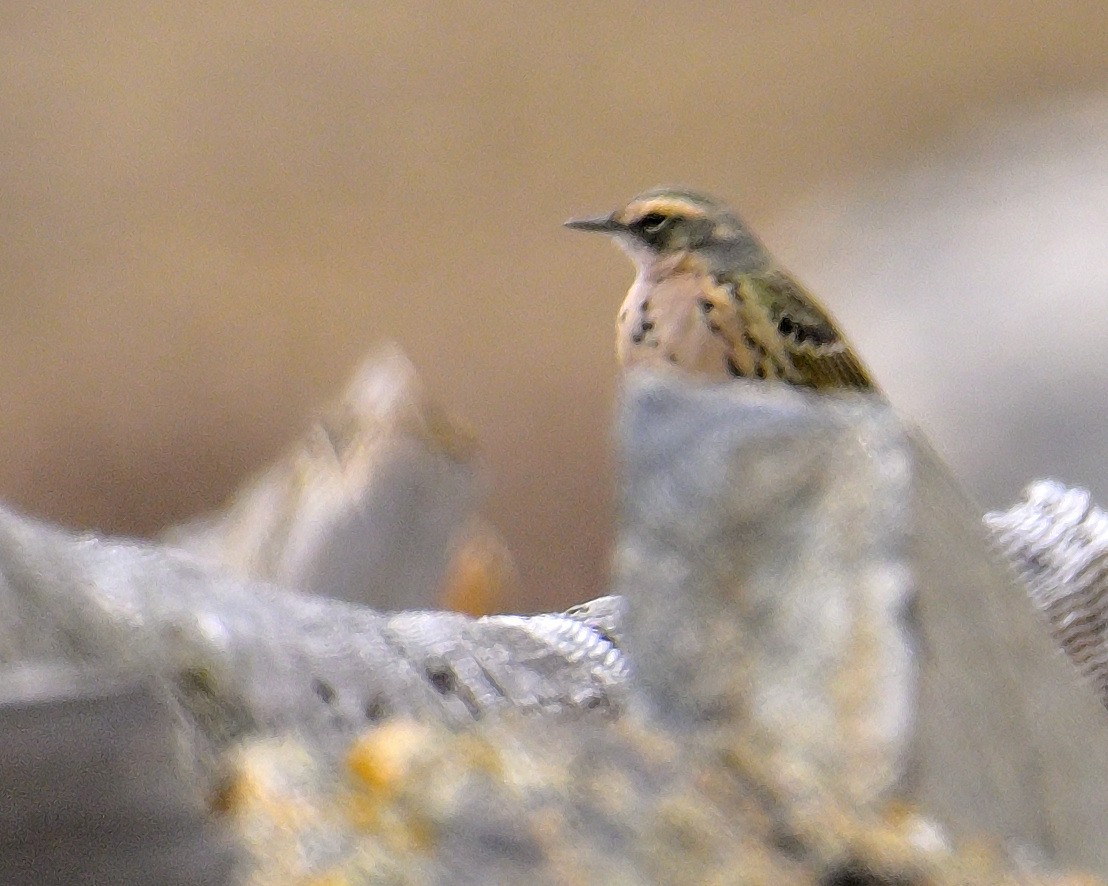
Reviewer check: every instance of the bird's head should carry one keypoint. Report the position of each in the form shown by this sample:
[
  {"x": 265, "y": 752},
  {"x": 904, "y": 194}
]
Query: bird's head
[{"x": 669, "y": 221}]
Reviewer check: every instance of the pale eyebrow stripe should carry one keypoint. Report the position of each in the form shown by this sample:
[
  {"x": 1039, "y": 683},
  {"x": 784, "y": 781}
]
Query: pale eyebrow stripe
[{"x": 670, "y": 205}]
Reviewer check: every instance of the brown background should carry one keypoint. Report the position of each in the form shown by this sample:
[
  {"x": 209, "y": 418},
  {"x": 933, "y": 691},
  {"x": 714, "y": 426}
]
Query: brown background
[{"x": 210, "y": 211}]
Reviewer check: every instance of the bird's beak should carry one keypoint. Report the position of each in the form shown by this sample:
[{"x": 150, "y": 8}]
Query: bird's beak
[{"x": 604, "y": 224}]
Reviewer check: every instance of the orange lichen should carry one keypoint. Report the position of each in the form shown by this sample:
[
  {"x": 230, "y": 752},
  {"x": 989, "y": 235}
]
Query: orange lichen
[{"x": 481, "y": 578}]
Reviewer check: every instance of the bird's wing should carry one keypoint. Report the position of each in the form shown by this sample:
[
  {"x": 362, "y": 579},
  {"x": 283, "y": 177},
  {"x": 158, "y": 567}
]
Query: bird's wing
[{"x": 819, "y": 353}]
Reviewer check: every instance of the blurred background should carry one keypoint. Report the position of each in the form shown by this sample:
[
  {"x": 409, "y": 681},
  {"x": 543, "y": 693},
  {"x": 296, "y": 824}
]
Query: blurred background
[{"x": 211, "y": 211}]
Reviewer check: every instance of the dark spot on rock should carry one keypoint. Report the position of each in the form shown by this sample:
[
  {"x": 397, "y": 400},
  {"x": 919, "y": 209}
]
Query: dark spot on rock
[
  {"x": 760, "y": 371},
  {"x": 646, "y": 325},
  {"x": 713, "y": 327},
  {"x": 733, "y": 368},
  {"x": 705, "y": 305},
  {"x": 225, "y": 796},
  {"x": 197, "y": 680},
  {"x": 788, "y": 842},
  {"x": 376, "y": 711},
  {"x": 653, "y": 343},
  {"x": 645, "y": 306},
  {"x": 801, "y": 335},
  {"x": 324, "y": 690},
  {"x": 785, "y": 327},
  {"x": 672, "y": 358},
  {"x": 859, "y": 874},
  {"x": 509, "y": 841},
  {"x": 638, "y": 336},
  {"x": 442, "y": 678}
]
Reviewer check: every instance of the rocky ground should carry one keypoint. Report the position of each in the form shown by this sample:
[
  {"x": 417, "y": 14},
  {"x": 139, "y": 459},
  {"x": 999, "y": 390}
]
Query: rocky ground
[{"x": 815, "y": 669}]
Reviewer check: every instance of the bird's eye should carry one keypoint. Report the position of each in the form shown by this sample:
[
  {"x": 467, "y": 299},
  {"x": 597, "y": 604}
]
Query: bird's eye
[{"x": 652, "y": 222}]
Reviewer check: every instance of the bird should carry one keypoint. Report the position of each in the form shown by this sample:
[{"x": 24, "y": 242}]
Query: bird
[{"x": 711, "y": 300}]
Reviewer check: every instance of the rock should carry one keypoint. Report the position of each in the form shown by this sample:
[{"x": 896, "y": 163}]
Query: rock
[
  {"x": 524, "y": 801},
  {"x": 244, "y": 658},
  {"x": 365, "y": 508},
  {"x": 762, "y": 553},
  {"x": 1007, "y": 739},
  {"x": 806, "y": 565},
  {"x": 832, "y": 683},
  {"x": 1058, "y": 541},
  {"x": 94, "y": 792},
  {"x": 481, "y": 578}
]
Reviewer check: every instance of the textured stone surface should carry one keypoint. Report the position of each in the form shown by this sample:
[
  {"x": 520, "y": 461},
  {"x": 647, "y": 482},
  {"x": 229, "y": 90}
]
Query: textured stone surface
[
  {"x": 579, "y": 804},
  {"x": 93, "y": 788},
  {"x": 832, "y": 683},
  {"x": 1008, "y": 740},
  {"x": 807, "y": 564},
  {"x": 1058, "y": 541},
  {"x": 762, "y": 553},
  {"x": 366, "y": 507},
  {"x": 242, "y": 658}
]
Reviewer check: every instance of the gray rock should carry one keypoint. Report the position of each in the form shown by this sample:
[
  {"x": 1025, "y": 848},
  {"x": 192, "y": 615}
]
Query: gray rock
[
  {"x": 364, "y": 508},
  {"x": 816, "y": 626},
  {"x": 806, "y": 565},
  {"x": 1058, "y": 540},
  {"x": 239, "y": 658},
  {"x": 93, "y": 790},
  {"x": 763, "y": 555}
]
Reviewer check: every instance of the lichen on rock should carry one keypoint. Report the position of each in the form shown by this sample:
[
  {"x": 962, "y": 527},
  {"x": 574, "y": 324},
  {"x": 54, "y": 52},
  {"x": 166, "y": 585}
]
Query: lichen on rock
[{"x": 812, "y": 670}]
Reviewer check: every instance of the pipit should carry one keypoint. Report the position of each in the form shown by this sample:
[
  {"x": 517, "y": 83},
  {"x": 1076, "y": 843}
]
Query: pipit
[{"x": 710, "y": 299}]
